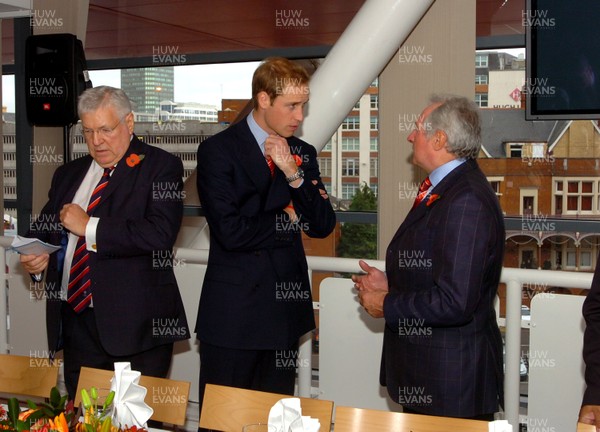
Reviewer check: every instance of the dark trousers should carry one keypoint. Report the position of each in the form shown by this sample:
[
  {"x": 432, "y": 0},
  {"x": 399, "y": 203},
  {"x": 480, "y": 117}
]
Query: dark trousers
[
  {"x": 484, "y": 417},
  {"x": 82, "y": 347},
  {"x": 264, "y": 370}
]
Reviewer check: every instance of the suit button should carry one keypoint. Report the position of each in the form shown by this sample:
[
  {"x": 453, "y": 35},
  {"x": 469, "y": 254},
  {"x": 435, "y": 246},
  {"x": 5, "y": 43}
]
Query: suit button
[{"x": 256, "y": 253}]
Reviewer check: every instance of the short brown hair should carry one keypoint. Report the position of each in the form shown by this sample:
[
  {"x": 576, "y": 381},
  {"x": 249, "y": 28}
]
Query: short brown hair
[{"x": 274, "y": 74}]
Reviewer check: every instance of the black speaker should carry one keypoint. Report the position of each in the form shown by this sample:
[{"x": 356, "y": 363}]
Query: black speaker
[{"x": 55, "y": 74}]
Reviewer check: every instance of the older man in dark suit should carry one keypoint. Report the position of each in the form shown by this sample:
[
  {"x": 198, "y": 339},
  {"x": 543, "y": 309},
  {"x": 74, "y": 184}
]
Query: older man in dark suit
[
  {"x": 260, "y": 188},
  {"x": 112, "y": 294},
  {"x": 442, "y": 349}
]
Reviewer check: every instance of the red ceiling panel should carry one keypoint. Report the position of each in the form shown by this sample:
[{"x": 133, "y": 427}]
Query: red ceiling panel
[{"x": 134, "y": 28}]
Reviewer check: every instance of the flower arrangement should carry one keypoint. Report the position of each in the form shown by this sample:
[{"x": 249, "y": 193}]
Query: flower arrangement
[
  {"x": 97, "y": 415},
  {"x": 54, "y": 415},
  {"x": 58, "y": 415}
]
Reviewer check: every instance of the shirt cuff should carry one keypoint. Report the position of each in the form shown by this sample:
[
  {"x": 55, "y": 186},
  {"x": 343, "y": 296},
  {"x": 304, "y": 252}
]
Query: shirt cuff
[
  {"x": 296, "y": 187},
  {"x": 90, "y": 234}
]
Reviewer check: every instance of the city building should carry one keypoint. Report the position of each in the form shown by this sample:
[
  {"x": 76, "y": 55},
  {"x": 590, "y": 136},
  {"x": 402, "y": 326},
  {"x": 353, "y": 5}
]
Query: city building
[
  {"x": 499, "y": 77},
  {"x": 148, "y": 87},
  {"x": 545, "y": 174},
  {"x": 350, "y": 158}
]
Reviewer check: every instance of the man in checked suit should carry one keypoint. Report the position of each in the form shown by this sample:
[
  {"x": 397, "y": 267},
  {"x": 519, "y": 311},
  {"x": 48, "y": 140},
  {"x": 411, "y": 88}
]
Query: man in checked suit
[
  {"x": 442, "y": 349},
  {"x": 260, "y": 188},
  {"x": 129, "y": 308}
]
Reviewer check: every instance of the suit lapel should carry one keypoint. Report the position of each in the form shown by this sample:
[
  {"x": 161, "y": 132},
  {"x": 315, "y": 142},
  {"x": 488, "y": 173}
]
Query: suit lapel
[
  {"x": 129, "y": 163},
  {"x": 250, "y": 157},
  {"x": 440, "y": 189},
  {"x": 254, "y": 164},
  {"x": 74, "y": 181}
]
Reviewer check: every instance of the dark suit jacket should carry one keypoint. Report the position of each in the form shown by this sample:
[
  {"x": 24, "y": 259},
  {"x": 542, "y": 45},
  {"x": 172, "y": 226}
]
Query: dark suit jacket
[
  {"x": 256, "y": 292},
  {"x": 591, "y": 341},
  {"x": 135, "y": 295},
  {"x": 442, "y": 351}
]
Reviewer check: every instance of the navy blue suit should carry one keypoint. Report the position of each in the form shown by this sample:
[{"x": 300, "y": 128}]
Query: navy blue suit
[
  {"x": 136, "y": 299},
  {"x": 256, "y": 301},
  {"x": 256, "y": 292},
  {"x": 442, "y": 352}
]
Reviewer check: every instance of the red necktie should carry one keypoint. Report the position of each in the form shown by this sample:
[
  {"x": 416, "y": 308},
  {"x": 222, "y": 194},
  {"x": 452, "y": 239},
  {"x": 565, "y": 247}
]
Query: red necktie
[
  {"x": 79, "y": 294},
  {"x": 271, "y": 166},
  {"x": 423, "y": 189}
]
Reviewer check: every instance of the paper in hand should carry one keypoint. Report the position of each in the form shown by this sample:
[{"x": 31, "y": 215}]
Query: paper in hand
[{"x": 32, "y": 246}]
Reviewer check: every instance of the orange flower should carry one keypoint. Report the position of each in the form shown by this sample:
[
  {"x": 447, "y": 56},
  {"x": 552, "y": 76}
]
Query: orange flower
[
  {"x": 432, "y": 198},
  {"x": 134, "y": 159},
  {"x": 60, "y": 423},
  {"x": 24, "y": 415}
]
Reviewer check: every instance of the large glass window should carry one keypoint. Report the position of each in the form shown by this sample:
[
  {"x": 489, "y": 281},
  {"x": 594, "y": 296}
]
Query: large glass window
[
  {"x": 350, "y": 144},
  {"x": 351, "y": 123},
  {"x": 349, "y": 167}
]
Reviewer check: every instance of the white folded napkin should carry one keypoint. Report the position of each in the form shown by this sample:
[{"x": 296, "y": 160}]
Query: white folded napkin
[
  {"x": 286, "y": 416},
  {"x": 499, "y": 426},
  {"x": 129, "y": 408}
]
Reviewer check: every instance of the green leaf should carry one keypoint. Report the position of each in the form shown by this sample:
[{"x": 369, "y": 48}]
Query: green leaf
[
  {"x": 55, "y": 397},
  {"x": 31, "y": 405},
  {"x": 13, "y": 410},
  {"x": 48, "y": 412},
  {"x": 22, "y": 425},
  {"x": 63, "y": 402}
]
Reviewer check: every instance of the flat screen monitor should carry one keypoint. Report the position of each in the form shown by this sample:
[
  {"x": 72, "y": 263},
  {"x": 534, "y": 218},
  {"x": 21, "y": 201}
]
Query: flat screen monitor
[{"x": 563, "y": 59}]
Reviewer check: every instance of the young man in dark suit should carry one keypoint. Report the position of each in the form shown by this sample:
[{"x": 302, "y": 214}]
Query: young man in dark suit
[
  {"x": 260, "y": 189},
  {"x": 111, "y": 291},
  {"x": 442, "y": 349}
]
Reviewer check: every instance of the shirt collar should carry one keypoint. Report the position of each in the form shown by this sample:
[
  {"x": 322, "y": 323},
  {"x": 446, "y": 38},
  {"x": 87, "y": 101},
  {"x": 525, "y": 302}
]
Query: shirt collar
[
  {"x": 259, "y": 134},
  {"x": 438, "y": 174}
]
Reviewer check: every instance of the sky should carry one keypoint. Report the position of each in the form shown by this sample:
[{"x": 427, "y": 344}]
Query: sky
[{"x": 206, "y": 84}]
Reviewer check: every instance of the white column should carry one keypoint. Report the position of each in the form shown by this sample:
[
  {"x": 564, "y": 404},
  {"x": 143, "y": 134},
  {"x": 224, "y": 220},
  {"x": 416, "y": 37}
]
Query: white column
[
  {"x": 360, "y": 54},
  {"x": 513, "y": 352}
]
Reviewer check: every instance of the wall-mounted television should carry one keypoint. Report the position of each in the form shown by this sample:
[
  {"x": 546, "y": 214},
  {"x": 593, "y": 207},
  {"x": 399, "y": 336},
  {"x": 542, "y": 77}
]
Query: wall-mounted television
[{"x": 563, "y": 59}]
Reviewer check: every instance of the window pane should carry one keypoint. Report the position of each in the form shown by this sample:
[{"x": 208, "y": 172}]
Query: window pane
[
  {"x": 572, "y": 203},
  {"x": 585, "y": 259},
  {"x": 573, "y": 187},
  {"x": 571, "y": 259}
]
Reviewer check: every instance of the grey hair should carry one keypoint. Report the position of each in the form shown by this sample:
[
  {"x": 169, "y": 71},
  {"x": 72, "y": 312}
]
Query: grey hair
[
  {"x": 104, "y": 96},
  {"x": 458, "y": 117}
]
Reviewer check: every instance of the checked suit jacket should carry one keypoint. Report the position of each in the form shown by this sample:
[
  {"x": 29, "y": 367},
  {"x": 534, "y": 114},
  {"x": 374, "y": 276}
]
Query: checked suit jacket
[
  {"x": 136, "y": 299},
  {"x": 442, "y": 351},
  {"x": 256, "y": 292}
]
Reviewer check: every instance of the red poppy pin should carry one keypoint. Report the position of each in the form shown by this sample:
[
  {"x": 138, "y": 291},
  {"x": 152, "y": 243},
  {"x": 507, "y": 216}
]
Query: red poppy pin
[
  {"x": 134, "y": 159},
  {"x": 297, "y": 159},
  {"x": 432, "y": 198}
]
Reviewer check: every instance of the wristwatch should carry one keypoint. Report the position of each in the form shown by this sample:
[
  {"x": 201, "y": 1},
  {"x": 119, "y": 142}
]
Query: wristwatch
[{"x": 297, "y": 175}]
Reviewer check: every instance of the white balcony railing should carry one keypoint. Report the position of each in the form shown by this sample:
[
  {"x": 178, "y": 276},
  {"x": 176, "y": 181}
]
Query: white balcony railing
[{"x": 512, "y": 277}]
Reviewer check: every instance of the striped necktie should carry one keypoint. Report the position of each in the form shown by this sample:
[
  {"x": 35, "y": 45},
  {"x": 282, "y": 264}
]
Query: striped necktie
[
  {"x": 79, "y": 293},
  {"x": 271, "y": 165},
  {"x": 423, "y": 190}
]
